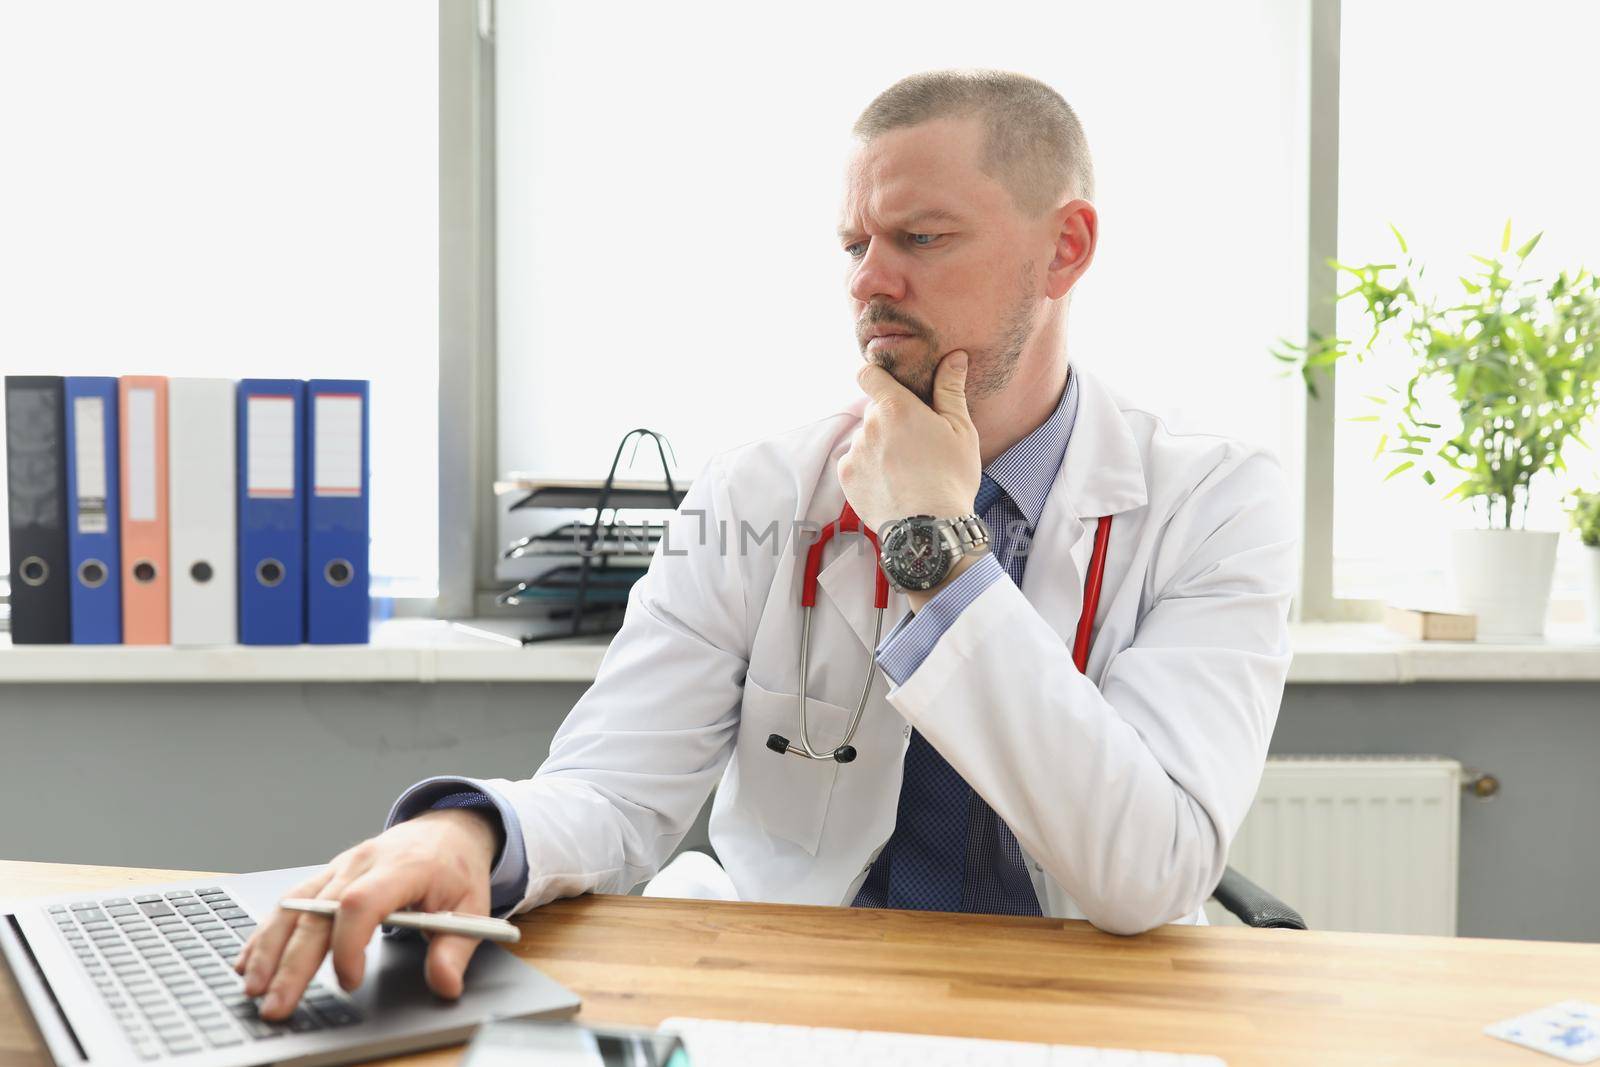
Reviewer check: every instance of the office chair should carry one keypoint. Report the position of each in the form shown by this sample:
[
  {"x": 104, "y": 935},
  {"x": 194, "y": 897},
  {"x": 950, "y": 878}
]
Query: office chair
[{"x": 1253, "y": 905}]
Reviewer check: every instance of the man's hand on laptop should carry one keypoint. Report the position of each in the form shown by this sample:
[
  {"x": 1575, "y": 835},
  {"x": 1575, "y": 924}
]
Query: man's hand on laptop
[{"x": 438, "y": 861}]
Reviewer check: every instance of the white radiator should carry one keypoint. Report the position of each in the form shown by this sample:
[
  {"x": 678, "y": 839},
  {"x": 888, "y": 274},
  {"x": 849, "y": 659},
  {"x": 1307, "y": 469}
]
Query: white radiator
[{"x": 1364, "y": 843}]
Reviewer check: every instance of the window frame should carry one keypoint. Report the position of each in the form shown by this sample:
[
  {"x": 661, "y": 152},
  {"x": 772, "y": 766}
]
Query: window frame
[
  {"x": 468, "y": 443},
  {"x": 1316, "y": 601},
  {"x": 468, "y": 432},
  {"x": 468, "y": 455}
]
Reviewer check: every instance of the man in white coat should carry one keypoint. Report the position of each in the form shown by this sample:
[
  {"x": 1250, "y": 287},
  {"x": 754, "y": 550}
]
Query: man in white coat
[{"x": 987, "y": 772}]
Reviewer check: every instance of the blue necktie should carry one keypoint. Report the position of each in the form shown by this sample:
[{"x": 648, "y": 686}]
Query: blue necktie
[
  {"x": 988, "y": 493},
  {"x": 949, "y": 850}
]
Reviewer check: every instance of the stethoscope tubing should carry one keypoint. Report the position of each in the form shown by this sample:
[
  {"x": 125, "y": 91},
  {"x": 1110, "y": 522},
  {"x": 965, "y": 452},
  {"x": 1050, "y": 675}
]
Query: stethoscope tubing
[
  {"x": 845, "y": 752},
  {"x": 848, "y": 522}
]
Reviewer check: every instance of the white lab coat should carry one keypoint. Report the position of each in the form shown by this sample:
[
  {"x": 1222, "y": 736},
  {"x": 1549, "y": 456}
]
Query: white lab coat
[{"x": 1124, "y": 788}]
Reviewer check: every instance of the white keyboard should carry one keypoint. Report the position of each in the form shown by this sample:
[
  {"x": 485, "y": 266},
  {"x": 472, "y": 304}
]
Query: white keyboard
[{"x": 717, "y": 1043}]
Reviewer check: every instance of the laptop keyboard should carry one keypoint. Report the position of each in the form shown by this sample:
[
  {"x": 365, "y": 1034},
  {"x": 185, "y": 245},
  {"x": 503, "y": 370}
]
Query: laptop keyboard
[{"x": 163, "y": 962}]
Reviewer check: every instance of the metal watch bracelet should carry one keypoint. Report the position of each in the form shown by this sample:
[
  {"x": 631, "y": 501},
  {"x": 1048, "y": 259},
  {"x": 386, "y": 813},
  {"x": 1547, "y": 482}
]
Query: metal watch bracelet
[{"x": 971, "y": 533}]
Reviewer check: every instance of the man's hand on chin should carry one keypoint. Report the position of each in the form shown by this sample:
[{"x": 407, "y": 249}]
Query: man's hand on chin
[{"x": 908, "y": 458}]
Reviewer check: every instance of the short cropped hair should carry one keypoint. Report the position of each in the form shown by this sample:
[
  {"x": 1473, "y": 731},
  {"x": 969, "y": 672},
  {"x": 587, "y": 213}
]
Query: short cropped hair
[{"x": 1033, "y": 143}]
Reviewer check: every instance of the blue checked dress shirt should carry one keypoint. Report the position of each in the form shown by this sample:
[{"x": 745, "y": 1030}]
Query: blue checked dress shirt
[
  {"x": 508, "y": 877},
  {"x": 949, "y": 850},
  {"x": 976, "y": 852}
]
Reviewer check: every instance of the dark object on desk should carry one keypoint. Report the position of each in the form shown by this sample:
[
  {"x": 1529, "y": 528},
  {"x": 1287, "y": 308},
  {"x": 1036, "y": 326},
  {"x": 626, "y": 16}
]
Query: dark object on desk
[
  {"x": 36, "y": 468},
  {"x": 1253, "y": 905},
  {"x": 593, "y": 592}
]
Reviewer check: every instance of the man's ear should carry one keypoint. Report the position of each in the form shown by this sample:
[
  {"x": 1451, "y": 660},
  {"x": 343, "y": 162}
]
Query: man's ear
[{"x": 1077, "y": 230}]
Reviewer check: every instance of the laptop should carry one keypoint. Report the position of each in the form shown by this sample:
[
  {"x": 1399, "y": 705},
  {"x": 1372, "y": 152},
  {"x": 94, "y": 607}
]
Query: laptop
[{"x": 144, "y": 975}]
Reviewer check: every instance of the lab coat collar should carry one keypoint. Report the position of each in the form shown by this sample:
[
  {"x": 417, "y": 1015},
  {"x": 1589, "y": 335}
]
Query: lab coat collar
[{"x": 1101, "y": 474}]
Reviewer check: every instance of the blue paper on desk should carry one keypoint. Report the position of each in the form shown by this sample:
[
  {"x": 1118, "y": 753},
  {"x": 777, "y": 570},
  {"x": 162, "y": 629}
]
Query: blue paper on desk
[{"x": 1569, "y": 1031}]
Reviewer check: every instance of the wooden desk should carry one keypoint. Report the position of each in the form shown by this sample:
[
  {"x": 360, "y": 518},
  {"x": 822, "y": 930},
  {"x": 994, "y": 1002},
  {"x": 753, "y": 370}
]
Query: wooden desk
[{"x": 1254, "y": 997}]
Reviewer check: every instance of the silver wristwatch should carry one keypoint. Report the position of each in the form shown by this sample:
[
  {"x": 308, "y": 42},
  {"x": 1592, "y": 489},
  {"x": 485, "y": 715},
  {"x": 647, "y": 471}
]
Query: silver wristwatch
[{"x": 917, "y": 552}]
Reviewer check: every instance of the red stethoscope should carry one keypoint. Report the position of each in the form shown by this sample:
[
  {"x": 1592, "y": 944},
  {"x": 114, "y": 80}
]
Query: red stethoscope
[{"x": 848, "y": 522}]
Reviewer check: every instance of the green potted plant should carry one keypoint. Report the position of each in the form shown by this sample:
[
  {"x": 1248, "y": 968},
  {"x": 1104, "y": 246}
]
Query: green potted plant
[
  {"x": 1585, "y": 514},
  {"x": 1499, "y": 377}
]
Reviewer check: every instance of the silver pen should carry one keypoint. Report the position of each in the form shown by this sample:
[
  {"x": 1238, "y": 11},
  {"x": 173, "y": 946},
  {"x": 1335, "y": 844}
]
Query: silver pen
[{"x": 439, "y": 922}]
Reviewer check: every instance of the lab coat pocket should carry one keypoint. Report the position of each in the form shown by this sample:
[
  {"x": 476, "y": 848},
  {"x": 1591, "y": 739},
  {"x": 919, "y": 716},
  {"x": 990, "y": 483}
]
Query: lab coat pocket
[{"x": 788, "y": 794}]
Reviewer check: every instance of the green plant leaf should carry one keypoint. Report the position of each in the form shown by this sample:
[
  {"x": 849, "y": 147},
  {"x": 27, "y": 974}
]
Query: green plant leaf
[
  {"x": 1515, "y": 359},
  {"x": 1397, "y": 237}
]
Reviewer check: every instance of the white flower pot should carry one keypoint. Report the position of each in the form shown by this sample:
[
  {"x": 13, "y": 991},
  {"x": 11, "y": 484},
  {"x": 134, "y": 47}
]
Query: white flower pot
[
  {"x": 1592, "y": 586},
  {"x": 1503, "y": 577}
]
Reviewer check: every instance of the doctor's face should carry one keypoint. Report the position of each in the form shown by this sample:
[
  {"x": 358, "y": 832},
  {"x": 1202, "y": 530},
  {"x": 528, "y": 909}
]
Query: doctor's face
[{"x": 940, "y": 258}]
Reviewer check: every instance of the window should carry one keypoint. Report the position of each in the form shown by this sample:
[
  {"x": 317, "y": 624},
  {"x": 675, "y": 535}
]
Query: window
[
  {"x": 1437, "y": 139},
  {"x": 669, "y": 180},
  {"x": 234, "y": 190}
]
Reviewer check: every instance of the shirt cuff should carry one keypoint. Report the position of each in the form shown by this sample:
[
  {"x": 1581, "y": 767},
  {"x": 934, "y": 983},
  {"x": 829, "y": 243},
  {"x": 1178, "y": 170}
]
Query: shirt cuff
[
  {"x": 508, "y": 879},
  {"x": 908, "y": 644}
]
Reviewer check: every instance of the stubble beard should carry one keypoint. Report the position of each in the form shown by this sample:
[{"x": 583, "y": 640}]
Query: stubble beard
[{"x": 990, "y": 367}]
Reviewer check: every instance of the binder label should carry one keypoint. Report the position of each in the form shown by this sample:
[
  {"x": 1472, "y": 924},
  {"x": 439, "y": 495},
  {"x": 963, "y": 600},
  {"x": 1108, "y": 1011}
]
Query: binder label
[
  {"x": 337, "y": 464},
  {"x": 31, "y": 446},
  {"x": 141, "y": 501},
  {"x": 89, "y": 450},
  {"x": 269, "y": 467}
]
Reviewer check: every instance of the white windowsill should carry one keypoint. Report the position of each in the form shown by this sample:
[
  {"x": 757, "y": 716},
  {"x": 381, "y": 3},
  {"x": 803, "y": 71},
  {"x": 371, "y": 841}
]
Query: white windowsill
[
  {"x": 430, "y": 650},
  {"x": 1368, "y": 653},
  {"x": 402, "y": 650}
]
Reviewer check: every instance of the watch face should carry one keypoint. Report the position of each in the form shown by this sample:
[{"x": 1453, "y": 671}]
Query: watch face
[{"x": 914, "y": 555}]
